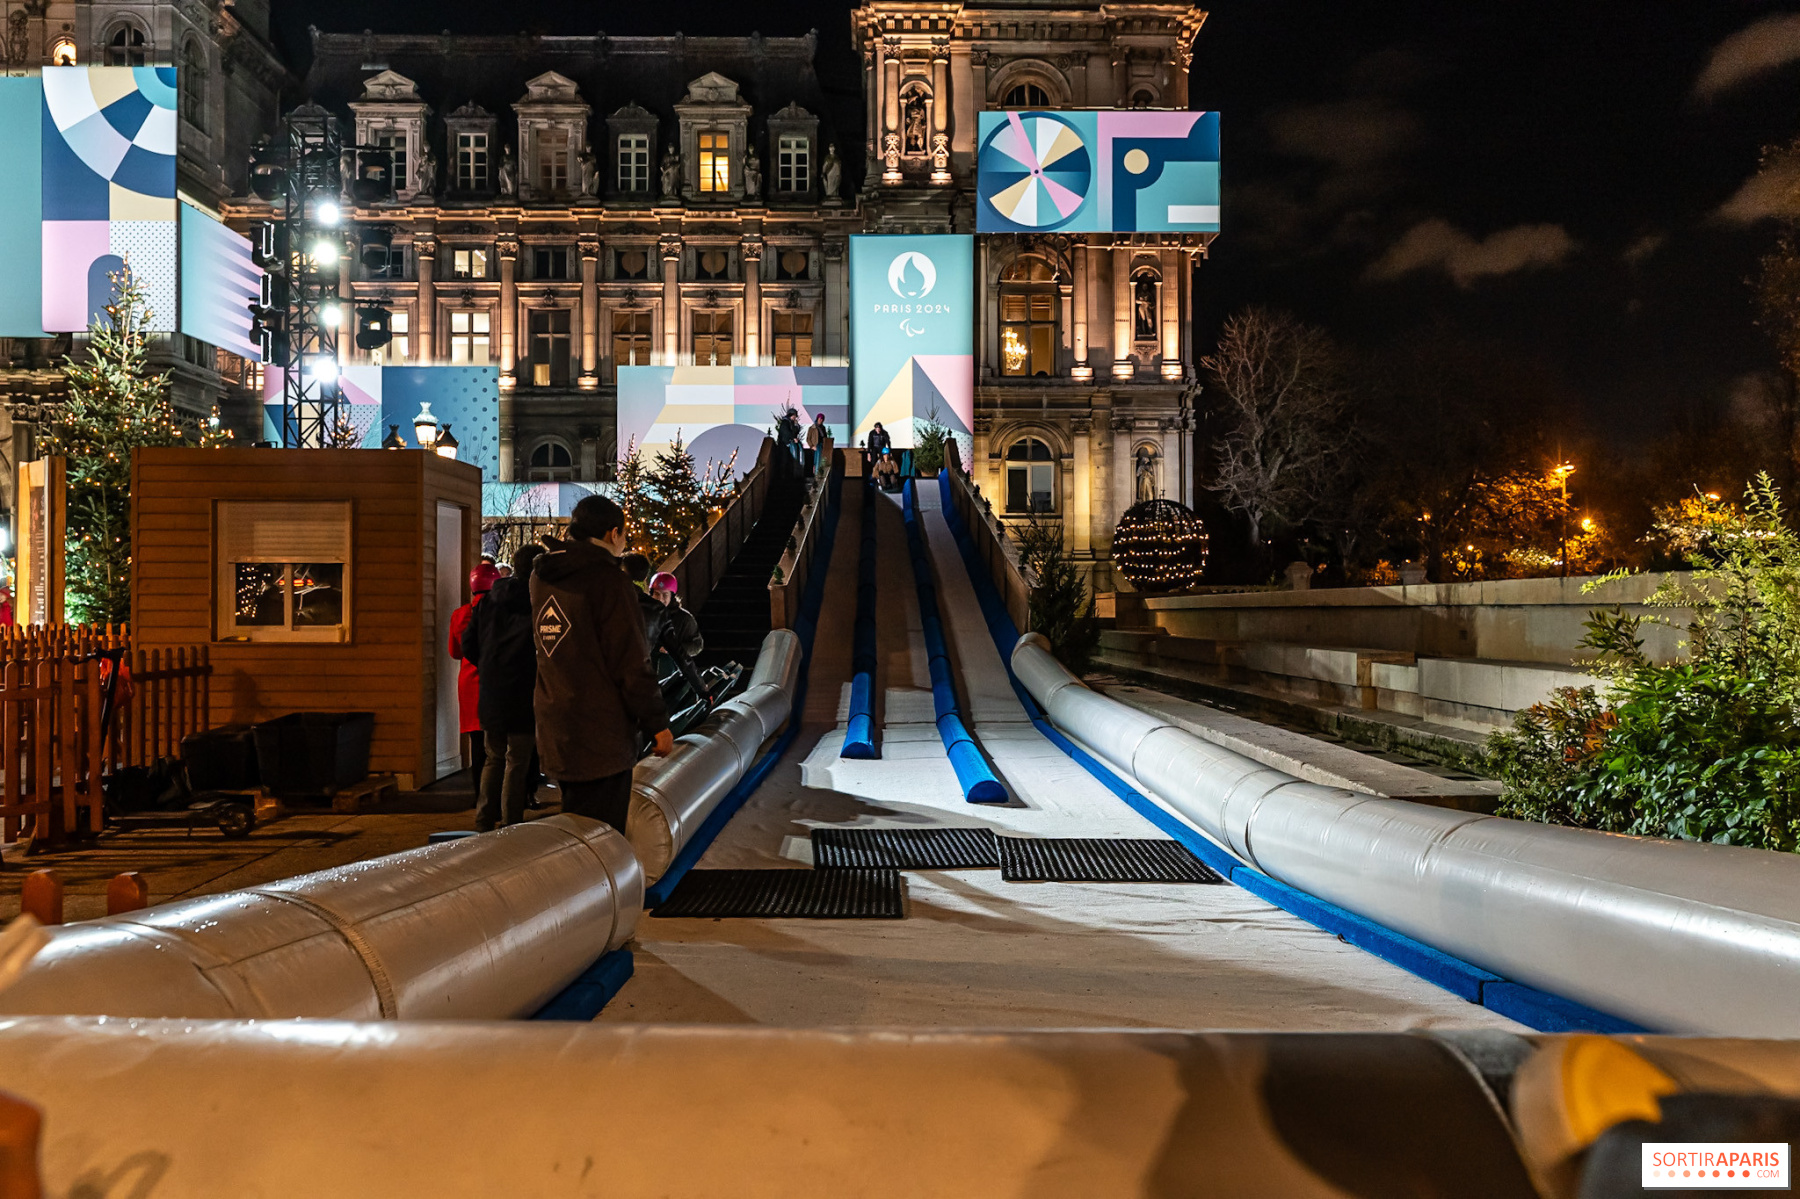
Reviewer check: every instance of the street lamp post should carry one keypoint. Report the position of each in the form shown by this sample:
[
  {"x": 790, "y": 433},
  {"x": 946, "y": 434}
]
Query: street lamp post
[{"x": 1563, "y": 471}]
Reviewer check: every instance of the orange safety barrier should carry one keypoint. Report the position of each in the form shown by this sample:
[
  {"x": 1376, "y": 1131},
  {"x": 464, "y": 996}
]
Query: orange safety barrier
[
  {"x": 41, "y": 896},
  {"x": 127, "y": 893}
]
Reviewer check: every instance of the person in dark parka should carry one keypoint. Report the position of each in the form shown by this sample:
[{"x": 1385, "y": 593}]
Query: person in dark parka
[
  {"x": 499, "y": 642},
  {"x": 597, "y": 699},
  {"x": 672, "y": 629}
]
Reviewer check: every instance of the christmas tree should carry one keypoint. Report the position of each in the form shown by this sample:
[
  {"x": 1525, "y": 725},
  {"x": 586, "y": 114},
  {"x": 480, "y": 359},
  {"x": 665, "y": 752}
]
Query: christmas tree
[
  {"x": 116, "y": 404},
  {"x": 632, "y": 495},
  {"x": 676, "y": 510}
]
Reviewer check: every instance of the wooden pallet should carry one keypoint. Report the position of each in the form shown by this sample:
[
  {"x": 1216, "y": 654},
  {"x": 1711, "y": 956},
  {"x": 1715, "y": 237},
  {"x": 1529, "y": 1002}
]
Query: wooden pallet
[{"x": 358, "y": 796}]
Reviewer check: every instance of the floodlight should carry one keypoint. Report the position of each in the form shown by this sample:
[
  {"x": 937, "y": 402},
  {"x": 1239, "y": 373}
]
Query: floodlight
[{"x": 328, "y": 212}]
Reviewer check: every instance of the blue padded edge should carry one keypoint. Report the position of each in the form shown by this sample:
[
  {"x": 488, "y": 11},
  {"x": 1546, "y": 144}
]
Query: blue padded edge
[
  {"x": 449, "y": 834},
  {"x": 592, "y": 990},
  {"x": 859, "y": 732},
  {"x": 1527, "y": 1005},
  {"x": 805, "y": 625},
  {"x": 973, "y": 774}
]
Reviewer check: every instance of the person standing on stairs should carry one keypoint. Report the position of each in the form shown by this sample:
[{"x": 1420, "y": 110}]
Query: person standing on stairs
[
  {"x": 468, "y": 689},
  {"x": 880, "y": 441},
  {"x": 596, "y": 699},
  {"x": 499, "y": 642},
  {"x": 816, "y": 437}
]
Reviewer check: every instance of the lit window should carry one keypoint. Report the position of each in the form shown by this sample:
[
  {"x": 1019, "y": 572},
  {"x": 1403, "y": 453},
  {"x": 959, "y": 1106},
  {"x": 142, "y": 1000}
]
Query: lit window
[
  {"x": 471, "y": 162},
  {"x": 1027, "y": 95},
  {"x": 192, "y": 84},
  {"x": 631, "y": 339},
  {"x": 1028, "y": 319},
  {"x": 282, "y": 571},
  {"x": 469, "y": 264},
  {"x": 553, "y": 160},
  {"x": 125, "y": 48},
  {"x": 793, "y": 338},
  {"x": 712, "y": 339},
  {"x": 550, "y": 347},
  {"x": 715, "y": 162},
  {"x": 1030, "y": 477},
  {"x": 793, "y": 171},
  {"x": 469, "y": 337},
  {"x": 62, "y": 53},
  {"x": 551, "y": 462},
  {"x": 634, "y": 162},
  {"x": 399, "y": 348}
]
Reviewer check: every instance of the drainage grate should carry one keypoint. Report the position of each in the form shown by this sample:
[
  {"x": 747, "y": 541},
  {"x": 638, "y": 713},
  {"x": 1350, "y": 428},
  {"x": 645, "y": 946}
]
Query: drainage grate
[
  {"x": 904, "y": 848},
  {"x": 815, "y": 894},
  {"x": 1097, "y": 860}
]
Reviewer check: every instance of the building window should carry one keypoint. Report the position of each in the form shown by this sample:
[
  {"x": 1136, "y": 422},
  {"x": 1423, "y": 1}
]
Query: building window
[
  {"x": 62, "y": 52},
  {"x": 793, "y": 338},
  {"x": 634, "y": 162},
  {"x": 385, "y": 263},
  {"x": 1030, "y": 477},
  {"x": 469, "y": 338},
  {"x": 1028, "y": 319},
  {"x": 1142, "y": 98},
  {"x": 793, "y": 165},
  {"x": 791, "y": 264},
  {"x": 468, "y": 264},
  {"x": 125, "y": 48},
  {"x": 631, "y": 264},
  {"x": 551, "y": 462},
  {"x": 553, "y": 160},
  {"x": 282, "y": 570},
  {"x": 712, "y": 264},
  {"x": 550, "y": 262},
  {"x": 631, "y": 339},
  {"x": 394, "y": 142},
  {"x": 399, "y": 347},
  {"x": 715, "y": 162},
  {"x": 712, "y": 339},
  {"x": 471, "y": 162},
  {"x": 1027, "y": 95},
  {"x": 193, "y": 84},
  {"x": 549, "y": 347}
]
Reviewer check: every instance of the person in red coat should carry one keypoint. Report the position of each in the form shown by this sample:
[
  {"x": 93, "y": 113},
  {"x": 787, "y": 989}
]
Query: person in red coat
[{"x": 468, "y": 687}]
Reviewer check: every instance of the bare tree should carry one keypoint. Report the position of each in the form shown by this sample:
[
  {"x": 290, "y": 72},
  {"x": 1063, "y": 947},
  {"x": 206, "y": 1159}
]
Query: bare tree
[{"x": 1282, "y": 394}]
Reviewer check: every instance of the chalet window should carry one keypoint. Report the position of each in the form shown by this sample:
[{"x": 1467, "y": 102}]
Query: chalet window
[
  {"x": 634, "y": 162},
  {"x": 469, "y": 333},
  {"x": 793, "y": 338},
  {"x": 550, "y": 262},
  {"x": 469, "y": 264},
  {"x": 553, "y": 160},
  {"x": 1027, "y": 95},
  {"x": 125, "y": 48},
  {"x": 551, "y": 462},
  {"x": 549, "y": 347},
  {"x": 394, "y": 142},
  {"x": 793, "y": 165},
  {"x": 1030, "y": 477},
  {"x": 631, "y": 339},
  {"x": 282, "y": 570},
  {"x": 715, "y": 162},
  {"x": 712, "y": 338},
  {"x": 1028, "y": 319},
  {"x": 471, "y": 162}
]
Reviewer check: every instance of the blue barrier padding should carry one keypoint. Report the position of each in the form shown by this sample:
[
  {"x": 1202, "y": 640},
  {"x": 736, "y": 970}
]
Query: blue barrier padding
[
  {"x": 859, "y": 732},
  {"x": 973, "y": 774},
  {"x": 592, "y": 990},
  {"x": 452, "y": 834},
  {"x": 1527, "y": 1005},
  {"x": 805, "y": 625}
]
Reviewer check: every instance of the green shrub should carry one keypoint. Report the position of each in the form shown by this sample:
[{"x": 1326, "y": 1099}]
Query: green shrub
[
  {"x": 1706, "y": 749},
  {"x": 1060, "y": 605}
]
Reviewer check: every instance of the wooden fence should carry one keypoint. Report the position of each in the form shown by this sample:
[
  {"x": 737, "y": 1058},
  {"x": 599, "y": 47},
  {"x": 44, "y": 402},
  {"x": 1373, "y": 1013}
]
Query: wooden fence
[{"x": 53, "y": 757}]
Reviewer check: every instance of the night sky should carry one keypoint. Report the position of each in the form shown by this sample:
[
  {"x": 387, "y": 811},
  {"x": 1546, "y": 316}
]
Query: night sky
[{"x": 1572, "y": 181}]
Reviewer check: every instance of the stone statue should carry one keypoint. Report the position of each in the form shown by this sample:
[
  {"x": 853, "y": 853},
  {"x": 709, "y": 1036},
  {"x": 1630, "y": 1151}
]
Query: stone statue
[
  {"x": 509, "y": 173},
  {"x": 671, "y": 172},
  {"x": 752, "y": 175},
  {"x": 915, "y": 123},
  {"x": 1145, "y": 488},
  {"x": 428, "y": 172},
  {"x": 1144, "y": 305},
  {"x": 590, "y": 171},
  {"x": 832, "y": 173}
]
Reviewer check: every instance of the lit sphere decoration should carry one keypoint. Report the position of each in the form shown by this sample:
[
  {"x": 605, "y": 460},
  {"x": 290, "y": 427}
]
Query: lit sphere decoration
[{"x": 1160, "y": 545}]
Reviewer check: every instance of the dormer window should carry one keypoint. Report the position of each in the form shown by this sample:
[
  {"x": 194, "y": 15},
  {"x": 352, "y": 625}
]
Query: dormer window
[
  {"x": 471, "y": 162},
  {"x": 553, "y": 160},
  {"x": 394, "y": 141},
  {"x": 634, "y": 162},
  {"x": 793, "y": 164},
  {"x": 715, "y": 162}
]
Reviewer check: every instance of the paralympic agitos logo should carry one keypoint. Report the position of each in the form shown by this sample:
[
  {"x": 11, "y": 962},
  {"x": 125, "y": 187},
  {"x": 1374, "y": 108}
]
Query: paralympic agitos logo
[{"x": 911, "y": 276}]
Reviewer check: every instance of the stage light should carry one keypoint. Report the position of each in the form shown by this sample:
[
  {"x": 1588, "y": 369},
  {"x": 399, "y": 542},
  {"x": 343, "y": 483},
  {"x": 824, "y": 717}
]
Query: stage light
[
  {"x": 325, "y": 252},
  {"x": 323, "y": 368},
  {"x": 329, "y": 213},
  {"x": 330, "y": 315}
]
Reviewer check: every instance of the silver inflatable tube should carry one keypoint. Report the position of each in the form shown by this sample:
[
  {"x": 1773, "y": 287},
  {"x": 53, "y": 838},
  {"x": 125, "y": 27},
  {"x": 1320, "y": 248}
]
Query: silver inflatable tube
[
  {"x": 485, "y": 927},
  {"x": 672, "y": 797},
  {"x": 1673, "y": 935}
]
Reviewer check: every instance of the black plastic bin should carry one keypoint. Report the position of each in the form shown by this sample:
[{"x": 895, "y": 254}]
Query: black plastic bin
[
  {"x": 307, "y": 755},
  {"x": 221, "y": 759}
]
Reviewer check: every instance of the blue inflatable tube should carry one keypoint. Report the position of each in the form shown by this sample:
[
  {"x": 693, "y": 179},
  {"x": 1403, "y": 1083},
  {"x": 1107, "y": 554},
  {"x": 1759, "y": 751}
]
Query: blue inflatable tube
[
  {"x": 973, "y": 774},
  {"x": 859, "y": 733}
]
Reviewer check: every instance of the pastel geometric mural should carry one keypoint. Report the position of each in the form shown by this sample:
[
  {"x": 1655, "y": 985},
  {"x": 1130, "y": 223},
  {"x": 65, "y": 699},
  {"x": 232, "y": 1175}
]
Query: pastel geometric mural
[
  {"x": 718, "y": 410},
  {"x": 466, "y": 399},
  {"x": 107, "y": 186},
  {"x": 912, "y": 334},
  {"x": 219, "y": 282}
]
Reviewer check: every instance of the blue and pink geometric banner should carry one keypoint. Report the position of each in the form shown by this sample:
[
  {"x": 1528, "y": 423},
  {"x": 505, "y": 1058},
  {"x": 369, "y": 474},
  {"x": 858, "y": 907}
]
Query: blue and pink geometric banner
[{"x": 719, "y": 410}]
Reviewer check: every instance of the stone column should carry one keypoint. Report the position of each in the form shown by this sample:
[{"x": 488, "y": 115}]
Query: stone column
[
  {"x": 1123, "y": 332},
  {"x": 508, "y": 250},
  {"x": 1124, "y": 474},
  {"x": 670, "y": 249},
  {"x": 589, "y": 249},
  {"x": 875, "y": 73},
  {"x": 836, "y": 300},
  {"x": 1099, "y": 442},
  {"x": 1081, "y": 370},
  {"x": 890, "y": 111},
  {"x": 940, "y": 112},
  {"x": 978, "y": 66},
  {"x": 751, "y": 247},
  {"x": 346, "y": 329},
  {"x": 1169, "y": 318},
  {"x": 1080, "y": 522},
  {"x": 424, "y": 345}
]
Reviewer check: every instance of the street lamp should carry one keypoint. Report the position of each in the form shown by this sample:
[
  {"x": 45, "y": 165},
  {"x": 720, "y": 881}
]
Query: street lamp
[
  {"x": 425, "y": 426},
  {"x": 1562, "y": 472},
  {"x": 393, "y": 441},
  {"x": 446, "y": 444}
]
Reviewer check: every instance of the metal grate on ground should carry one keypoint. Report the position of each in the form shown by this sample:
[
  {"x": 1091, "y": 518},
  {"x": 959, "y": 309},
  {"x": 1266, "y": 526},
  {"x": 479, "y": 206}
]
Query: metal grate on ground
[
  {"x": 788, "y": 894},
  {"x": 1100, "y": 860},
  {"x": 905, "y": 848}
]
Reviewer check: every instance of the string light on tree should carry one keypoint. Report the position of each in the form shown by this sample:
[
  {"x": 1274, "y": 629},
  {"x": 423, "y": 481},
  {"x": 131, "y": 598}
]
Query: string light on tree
[{"x": 1160, "y": 545}]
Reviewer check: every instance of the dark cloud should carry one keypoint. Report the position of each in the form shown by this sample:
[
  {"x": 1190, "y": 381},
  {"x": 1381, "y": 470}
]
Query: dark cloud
[
  {"x": 1437, "y": 245},
  {"x": 1351, "y": 133},
  {"x": 1750, "y": 53}
]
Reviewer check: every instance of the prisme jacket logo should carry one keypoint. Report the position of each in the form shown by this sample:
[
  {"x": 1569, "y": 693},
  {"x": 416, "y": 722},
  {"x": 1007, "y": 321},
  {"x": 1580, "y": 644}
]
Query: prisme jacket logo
[{"x": 911, "y": 276}]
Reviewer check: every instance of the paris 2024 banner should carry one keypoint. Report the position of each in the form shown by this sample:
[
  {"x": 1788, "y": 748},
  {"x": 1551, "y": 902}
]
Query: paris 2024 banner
[
  {"x": 1098, "y": 172},
  {"x": 912, "y": 334}
]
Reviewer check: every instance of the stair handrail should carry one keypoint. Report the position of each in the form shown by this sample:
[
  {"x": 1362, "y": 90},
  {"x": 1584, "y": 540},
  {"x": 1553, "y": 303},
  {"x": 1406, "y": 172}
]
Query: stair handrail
[{"x": 709, "y": 555}]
